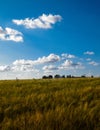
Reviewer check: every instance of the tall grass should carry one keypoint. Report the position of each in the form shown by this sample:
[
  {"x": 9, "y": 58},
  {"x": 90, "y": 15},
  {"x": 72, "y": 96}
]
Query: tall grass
[{"x": 56, "y": 104}]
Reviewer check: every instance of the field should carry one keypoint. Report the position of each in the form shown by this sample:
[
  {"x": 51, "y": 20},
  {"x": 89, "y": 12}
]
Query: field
[{"x": 50, "y": 104}]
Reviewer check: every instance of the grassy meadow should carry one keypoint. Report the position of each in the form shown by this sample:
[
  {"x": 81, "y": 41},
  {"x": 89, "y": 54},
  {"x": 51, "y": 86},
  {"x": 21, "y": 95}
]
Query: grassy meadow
[{"x": 50, "y": 104}]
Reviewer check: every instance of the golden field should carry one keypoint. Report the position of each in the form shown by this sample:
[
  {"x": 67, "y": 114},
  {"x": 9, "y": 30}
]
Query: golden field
[{"x": 50, "y": 104}]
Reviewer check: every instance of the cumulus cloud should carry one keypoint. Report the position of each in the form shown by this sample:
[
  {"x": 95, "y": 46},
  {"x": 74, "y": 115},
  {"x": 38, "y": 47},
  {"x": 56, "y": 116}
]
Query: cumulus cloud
[
  {"x": 69, "y": 64},
  {"x": 23, "y": 62},
  {"x": 93, "y": 63},
  {"x": 17, "y": 68},
  {"x": 50, "y": 64},
  {"x": 28, "y": 65},
  {"x": 50, "y": 67},
  {"x": 89, "y": 53},
  {"x": 9, "y": 34},
  {"x": 5, "y": 68},
  {"x": 49, "y": 59},
  {"x": 44, "y": 21},
  {"x": 28, "y": 68},
  {"x": 68, "y": 56}
]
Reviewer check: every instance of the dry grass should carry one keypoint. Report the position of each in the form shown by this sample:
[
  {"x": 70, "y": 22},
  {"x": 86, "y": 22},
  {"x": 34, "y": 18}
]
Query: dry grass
[{"x": 56, "y": 104}]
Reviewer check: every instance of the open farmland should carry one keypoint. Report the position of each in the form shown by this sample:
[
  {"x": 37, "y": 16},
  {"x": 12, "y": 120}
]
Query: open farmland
[{"x": 50, "y": 104}]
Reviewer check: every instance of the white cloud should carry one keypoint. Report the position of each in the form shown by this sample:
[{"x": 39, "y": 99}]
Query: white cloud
[
  {"x": 89, "y": 53},
  {"x": 23, "y": 65},
  {"x": 23, "y": 62},
  {"x": 68, "y": 64},
  {"x": 50, "y": 67},
  {"x": 9, "y": 34},
  {"x": 4, "y": 68},
  {"x": 93, "y": 63},
  {"x": 27, "y": 68},
  {"x": 49, "y": 59},
  {"x": 44, "y": 21},
  {"x": 51, "y": 64},
  {"x": 28, "y": 65},
  {"x": 69, "y": 56},
  {"x": 17, "y": 68}
]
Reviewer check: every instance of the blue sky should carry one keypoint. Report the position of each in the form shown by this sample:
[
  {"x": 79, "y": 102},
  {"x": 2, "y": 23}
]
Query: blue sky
[{"x": 49, "y": 37}]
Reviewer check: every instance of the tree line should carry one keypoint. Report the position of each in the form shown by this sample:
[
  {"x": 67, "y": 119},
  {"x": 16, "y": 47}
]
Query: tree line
[{"x": 63, "y": 76}]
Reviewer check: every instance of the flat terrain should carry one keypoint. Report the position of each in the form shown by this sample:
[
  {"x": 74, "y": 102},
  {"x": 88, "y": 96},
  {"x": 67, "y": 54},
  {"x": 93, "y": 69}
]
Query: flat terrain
[{"x": 50, "y": 104}]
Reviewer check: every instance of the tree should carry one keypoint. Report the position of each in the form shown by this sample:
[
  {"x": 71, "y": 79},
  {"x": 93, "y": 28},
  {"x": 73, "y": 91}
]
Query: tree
[
  {"x": 69, "y": 76},
  {"x": 63, "y": 76},
  {"x": 44, "y": 77},
  {"x": 50, "y": 76},
  {"x": 83, "y": 76},
  {"x": 92, "y": 76},
  {"x": 47, "y": 77},
  {"x": 57, "y": 76}
]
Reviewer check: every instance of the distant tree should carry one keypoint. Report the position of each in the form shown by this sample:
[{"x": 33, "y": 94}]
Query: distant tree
[
  {"x": 63, "y": 76},
  {"x": 57, "y": 76},
  {"x": 69, "y": 76},
  {"x": 44, "y": 77},
  {"x": 83, "y": 76},
  {"x": 47, "y": 77},
  {"x": 92, "y": 76},
  {"x": 50, "y": 76}
]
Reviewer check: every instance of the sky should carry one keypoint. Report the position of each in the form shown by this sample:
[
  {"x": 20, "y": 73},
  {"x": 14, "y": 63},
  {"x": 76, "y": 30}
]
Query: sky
[{"x": 49, "y": 37}]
